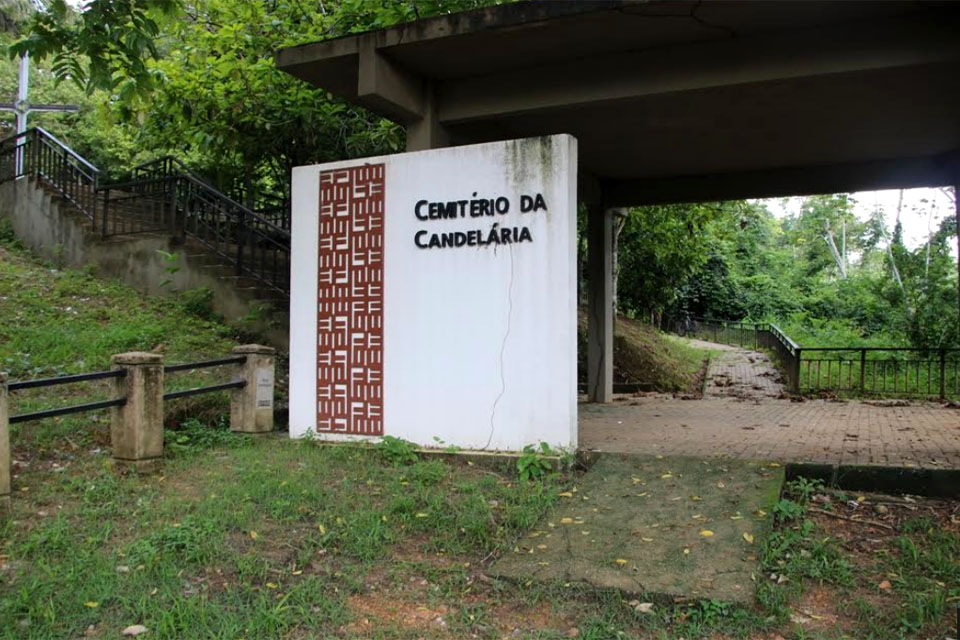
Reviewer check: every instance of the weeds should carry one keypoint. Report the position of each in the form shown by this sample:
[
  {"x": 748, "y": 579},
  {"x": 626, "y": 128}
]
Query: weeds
[
  {"x": 397, "y": 451},
  {"x": 197, "y": 435},
  {"x": 534, "y": 462}
]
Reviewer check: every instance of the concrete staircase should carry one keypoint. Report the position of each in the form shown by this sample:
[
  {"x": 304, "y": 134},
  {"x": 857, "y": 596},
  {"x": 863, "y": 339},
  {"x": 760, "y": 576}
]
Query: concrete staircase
[{"x": 161, "y": 234}]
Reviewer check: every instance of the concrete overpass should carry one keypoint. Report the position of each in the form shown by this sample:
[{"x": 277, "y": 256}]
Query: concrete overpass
[{"x": 672, "y": 101}]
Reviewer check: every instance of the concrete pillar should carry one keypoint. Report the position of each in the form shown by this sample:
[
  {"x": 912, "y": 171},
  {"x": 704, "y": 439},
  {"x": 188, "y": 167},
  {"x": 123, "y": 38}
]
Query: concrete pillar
[
  {"x": 4, "y": 447},
  {"x": 600, "y": 313},
  {"x": 136, "y": 428},
  {"x": 251, "y": 406},
  {"x": 427, "y": 132}
]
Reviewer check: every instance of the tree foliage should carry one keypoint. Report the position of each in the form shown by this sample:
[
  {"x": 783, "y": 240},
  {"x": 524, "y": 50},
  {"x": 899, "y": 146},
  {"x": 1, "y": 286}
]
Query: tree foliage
[
  {"x": 197, "y": 79},
  {"x": 736, "y": 260}
]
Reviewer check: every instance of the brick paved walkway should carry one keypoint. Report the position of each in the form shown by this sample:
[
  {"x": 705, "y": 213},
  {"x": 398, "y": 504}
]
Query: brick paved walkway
[
  {"x": 924, "y": 435},
  {"x": 741, "y": 373}
]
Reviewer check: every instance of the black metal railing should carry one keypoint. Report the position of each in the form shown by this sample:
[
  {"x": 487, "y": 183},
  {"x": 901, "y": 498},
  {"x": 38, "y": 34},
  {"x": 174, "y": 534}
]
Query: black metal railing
[
  {"x": 898, "y": 371},
  {"x": 62, "y": 411},
  {"x": 876, "y": 371},
  {"x": 22, "y": 385},
  {"x": 205, "y": 364},
  {"x": 161, "y": 196},
  {"x": 37, "y": 153}
]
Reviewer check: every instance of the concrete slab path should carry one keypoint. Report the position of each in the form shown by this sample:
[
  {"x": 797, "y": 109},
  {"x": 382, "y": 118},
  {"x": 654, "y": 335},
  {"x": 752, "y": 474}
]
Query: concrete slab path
[{"x": 655, "y": 526}]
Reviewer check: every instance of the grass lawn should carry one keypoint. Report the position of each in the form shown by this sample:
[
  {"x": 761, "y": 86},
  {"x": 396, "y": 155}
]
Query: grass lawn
[
  {"x": 65, "y": 321},
  {"x": 266, "y": 538},
  {"x": 646, "y": 356}
]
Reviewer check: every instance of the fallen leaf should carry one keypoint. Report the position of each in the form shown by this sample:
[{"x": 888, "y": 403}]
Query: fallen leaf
[
  {"x": 644, "y": 607},
  {"x": 885, "y": 585},
  {"x": 720, "y": 485},
  {"x": 667, "y": 475},
  {"x": 91, "y": 604},
  {"x": 647, "y": 539},
  {"x": 696, "y": 498},
  {"x": 421, "y": 515},
  {"x": 706, "y": 533},
  {"x": 566, "y": 520},
  {"x": 271, "y": 585},
  {"x": 565, "y": 494},
  {"x": 253, "y": 535},
  {"x": 621, "y": 562},
  {"x": 134, "y": 630},
  {"x": 322, "y": 529},
  {"x": 748, "y": 537}
]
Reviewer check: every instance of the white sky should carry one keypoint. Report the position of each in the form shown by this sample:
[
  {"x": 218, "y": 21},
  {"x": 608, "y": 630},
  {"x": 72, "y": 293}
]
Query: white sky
[{"x": 922, "y": 211}]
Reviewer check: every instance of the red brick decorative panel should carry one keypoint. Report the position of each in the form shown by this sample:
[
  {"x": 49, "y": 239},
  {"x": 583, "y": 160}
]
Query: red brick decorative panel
[{"x": 350, "y": 302}]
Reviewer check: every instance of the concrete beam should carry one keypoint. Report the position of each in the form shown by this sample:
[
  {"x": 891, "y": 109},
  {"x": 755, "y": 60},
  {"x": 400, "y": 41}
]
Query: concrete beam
[
  {"x": 384, "y": 87},
  {"x": 600, "y": 312},
  {"x": 695, "y": 66},
  {"x": 906, "y": 173}
]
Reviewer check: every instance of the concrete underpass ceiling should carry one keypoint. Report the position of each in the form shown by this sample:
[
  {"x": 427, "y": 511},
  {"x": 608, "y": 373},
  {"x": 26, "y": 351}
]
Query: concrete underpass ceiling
[{"x": 676, "y": 101}]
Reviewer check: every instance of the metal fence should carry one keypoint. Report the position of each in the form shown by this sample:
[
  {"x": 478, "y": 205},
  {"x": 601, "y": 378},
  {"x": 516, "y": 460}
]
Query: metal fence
[
  {"x": 877, "y": 371},
  {"x": 881, "y": 371}
]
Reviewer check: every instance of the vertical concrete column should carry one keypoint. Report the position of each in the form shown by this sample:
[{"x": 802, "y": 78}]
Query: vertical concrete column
[
  {"x": 136, "y": 428},
  {"x": 600, "y": 320},
  {"x": 427, "y": 132},
  {"x": 251, "y": 406},
  {"x": 4, "y": 447}
]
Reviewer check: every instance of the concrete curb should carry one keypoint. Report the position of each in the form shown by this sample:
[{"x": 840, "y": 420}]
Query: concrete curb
[{"x": 932, "y": 483}]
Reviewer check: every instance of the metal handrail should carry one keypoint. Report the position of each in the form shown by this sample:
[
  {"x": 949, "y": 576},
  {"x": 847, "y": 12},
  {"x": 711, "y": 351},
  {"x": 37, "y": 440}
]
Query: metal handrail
[
  {"x": 79, "y": 377},
  {"x": 187, "y": 366},
  {"x": 186, "y": 393},
  {"x": 62, "y": 411},
  {"x": 180, "y": 202},
  {"x": 34, "y": 130},
  {"x": 779, "y": 334}
]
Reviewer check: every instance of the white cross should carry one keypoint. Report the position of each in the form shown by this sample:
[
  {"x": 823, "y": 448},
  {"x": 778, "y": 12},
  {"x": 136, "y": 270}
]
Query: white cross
[{"x": 22, "y": 106}]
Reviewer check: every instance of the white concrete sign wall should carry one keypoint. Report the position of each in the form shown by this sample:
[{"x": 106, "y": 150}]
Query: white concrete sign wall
[{"x": 434, "y": 296}]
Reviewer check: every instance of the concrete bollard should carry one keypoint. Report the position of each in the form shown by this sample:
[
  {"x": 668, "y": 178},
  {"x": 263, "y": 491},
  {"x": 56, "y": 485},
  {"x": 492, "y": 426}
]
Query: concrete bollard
[
  {"x": 4, "y": 447},
  {"x": 136, "y": 428},
  {"x": 251, "y": 406}
]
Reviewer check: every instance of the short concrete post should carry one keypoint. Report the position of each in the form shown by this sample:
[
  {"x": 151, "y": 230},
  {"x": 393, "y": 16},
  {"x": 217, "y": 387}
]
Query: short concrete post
[
  {"x": 4, "y": 447},
  {"x": 136, "y": 428},
  {"x": 251, "y": 406}
]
